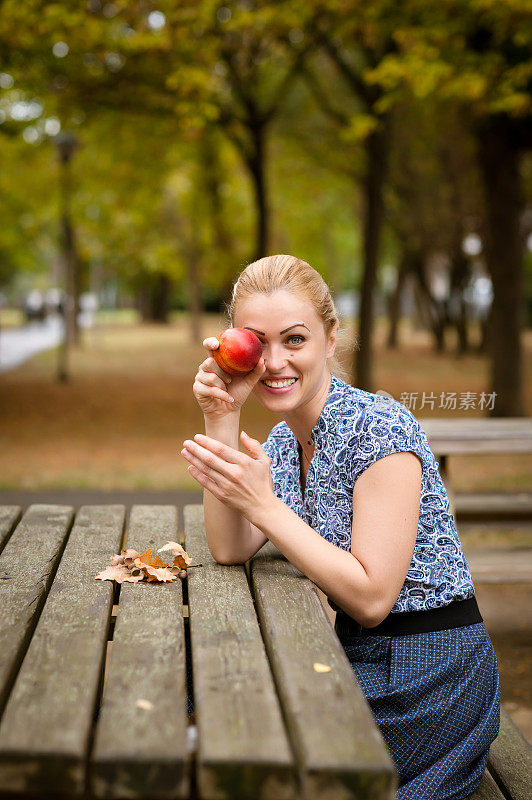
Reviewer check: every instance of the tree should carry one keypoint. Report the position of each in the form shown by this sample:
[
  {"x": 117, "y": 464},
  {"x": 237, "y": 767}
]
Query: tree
[
  {"x": 478, "y": 55},
  {"x": 433, "y": 202}
]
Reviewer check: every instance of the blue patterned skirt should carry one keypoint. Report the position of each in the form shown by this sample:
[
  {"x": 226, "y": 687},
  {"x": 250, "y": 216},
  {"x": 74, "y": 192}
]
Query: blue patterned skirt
[{"x": 436, "y": 699}]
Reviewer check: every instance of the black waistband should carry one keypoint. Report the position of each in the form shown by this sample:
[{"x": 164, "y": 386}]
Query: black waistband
[{"x": 455, "y": 615}]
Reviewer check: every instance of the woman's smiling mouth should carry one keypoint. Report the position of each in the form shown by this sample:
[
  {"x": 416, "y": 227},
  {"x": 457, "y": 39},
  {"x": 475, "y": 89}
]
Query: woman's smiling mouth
[{"x": 278, "y": 385}]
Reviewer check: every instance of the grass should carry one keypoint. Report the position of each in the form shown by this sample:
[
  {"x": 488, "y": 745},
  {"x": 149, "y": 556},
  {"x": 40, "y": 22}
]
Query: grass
[
  {"x": 121, "y": 420},
  {"x": 11, "y": 318}
]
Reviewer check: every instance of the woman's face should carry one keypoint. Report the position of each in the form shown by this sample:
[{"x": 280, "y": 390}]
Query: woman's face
[{"x": 294, "y": 346}]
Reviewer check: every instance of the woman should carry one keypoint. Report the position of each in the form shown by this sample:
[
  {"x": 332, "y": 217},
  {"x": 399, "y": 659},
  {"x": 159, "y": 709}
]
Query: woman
[{"x": 348, "y": 490}]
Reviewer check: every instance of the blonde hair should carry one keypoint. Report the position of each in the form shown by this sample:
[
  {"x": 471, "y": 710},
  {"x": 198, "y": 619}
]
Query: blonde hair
[{"x": 291, "y": 274}]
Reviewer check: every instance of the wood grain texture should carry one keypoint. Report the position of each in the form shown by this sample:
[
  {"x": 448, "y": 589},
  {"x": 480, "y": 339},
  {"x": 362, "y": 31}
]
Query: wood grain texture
[
  {"x": 27, "y": 566},
  {"x": 243, "y": 751},
  {"x": 497, "y": 565},
  {"x": 9, "y": 516},
  {"x": 510, "y": 760},
  {"x": 47, "y": 725},
  {"x": 339, "y": 747},
  {"x": 470, "y": 436},
  {"x": 487, "y": 789},
  {"x": 142, "y": 752},
  {"x": 493, "y": 505}
]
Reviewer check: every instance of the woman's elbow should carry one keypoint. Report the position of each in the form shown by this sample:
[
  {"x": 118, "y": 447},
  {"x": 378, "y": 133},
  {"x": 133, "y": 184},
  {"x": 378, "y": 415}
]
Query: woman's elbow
[
  {"x": 375, "y": 612},
  {"x": 225, "y": 559}
]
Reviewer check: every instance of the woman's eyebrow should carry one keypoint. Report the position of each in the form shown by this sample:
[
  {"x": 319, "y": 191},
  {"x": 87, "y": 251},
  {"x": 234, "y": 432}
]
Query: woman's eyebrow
[{"x": 302, "y": 324}]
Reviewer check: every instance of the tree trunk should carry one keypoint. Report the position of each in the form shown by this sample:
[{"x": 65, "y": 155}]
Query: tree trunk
[
  {"x": 72, "y": 276},
  {"x": 377, "y": 154},
  {"x": 395, "y": 302},
  {"x": 460, "y": 273},
  {"x": 161, "y": 298},
  {"x": 154, "y": 299},
  {"x": 257, "y": 167},
  {"x": 195, "y": 304},
  {"x": 221, "y": 235},
  {"x": 499, "y": 163},
  {"x": 431, "y": 310}
]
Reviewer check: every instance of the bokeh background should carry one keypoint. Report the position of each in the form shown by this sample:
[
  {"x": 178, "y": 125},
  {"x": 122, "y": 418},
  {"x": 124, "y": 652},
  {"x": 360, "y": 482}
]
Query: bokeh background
[{"x": 150, "y": 150}]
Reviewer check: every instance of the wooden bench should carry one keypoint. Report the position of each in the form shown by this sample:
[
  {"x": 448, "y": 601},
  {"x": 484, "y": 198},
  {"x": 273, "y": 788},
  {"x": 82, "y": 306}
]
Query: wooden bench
[
  {"x": 487, "y": 436},
  {"x": 93, "y": 676}
]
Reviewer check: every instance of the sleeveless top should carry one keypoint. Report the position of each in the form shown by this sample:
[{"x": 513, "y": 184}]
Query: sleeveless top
[{"x": 355, "y": 429}]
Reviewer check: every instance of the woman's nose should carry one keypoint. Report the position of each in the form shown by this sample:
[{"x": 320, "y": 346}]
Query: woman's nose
[{"x": 274, "y": 357}]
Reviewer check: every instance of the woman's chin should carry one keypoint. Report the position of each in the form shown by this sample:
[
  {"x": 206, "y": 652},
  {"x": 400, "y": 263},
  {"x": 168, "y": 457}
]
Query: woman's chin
[{"x": 277, "y": 404}]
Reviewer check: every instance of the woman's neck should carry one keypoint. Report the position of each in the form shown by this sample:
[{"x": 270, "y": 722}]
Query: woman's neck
[{"x": 302, "y": 421}]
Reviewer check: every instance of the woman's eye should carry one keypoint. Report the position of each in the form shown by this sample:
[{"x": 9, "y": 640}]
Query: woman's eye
[{"x": 295, "y": 336}]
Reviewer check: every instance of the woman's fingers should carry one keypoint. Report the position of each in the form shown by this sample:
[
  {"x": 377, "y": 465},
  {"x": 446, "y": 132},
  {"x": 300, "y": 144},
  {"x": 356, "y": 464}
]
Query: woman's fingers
[
  {"x": 206, "y": 482},
  {"x": 211, "y": 343},
  {"x": 215, "y": 456},
  {"x": 211, "y": 379},
  {"x": 200, "y": 389},
  {"x": 209, "y": 465},
  {"x": 209, "y": 366},
  {"x": 206, "y": 460},
  {"x": 223, "y": 451}
]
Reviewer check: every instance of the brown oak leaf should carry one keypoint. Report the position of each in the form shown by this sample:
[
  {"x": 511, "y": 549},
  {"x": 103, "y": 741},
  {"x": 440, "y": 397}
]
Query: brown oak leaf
[
  {"x": 130, "y": 566},
  {"x": 181, "y": 557},
  {"x": 118, "y": 574},
  {"x": 155, "y": 573}
]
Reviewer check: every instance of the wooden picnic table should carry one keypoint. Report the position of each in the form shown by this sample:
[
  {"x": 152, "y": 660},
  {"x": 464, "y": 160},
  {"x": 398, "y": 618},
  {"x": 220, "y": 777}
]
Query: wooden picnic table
[
  {"x": 485, "y": 436},
  {"x": 93, "y": 676},
  {"x": 462, "y": 436}
]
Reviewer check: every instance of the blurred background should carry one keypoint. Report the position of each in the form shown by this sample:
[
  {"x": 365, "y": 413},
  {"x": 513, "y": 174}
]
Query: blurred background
[{"x": 150, "y": 150}]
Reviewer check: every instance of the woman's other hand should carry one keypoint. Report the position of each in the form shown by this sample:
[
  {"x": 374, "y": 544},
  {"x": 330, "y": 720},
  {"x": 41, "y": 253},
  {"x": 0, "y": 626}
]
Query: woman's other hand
[
  {"x": 242, "y": 482},
  {"x": 219, "y": 393}
]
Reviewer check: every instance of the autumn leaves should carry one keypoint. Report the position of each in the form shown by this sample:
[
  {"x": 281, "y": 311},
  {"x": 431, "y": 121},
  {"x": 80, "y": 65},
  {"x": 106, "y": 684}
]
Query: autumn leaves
[{"x": 132, "y": 567}]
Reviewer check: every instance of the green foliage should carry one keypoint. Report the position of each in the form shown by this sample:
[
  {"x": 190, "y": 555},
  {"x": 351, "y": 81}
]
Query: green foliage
[{"x": 165, "y": 117}]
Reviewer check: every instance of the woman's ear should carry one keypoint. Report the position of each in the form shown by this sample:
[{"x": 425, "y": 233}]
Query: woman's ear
[{"x": 333, "y": 339}]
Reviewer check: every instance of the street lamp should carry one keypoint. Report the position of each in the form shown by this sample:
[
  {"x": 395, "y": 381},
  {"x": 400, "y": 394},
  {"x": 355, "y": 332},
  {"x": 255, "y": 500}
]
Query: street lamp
[{"x": 67, "y": 143}]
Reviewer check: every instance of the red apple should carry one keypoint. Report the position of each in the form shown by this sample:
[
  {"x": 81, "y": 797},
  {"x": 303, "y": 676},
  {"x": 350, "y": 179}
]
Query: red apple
[{"x": 239, "y": 351}]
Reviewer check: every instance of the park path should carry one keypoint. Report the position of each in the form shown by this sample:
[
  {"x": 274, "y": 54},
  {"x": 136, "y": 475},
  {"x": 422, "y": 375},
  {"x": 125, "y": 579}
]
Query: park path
[{"x": 18, "y": 345}]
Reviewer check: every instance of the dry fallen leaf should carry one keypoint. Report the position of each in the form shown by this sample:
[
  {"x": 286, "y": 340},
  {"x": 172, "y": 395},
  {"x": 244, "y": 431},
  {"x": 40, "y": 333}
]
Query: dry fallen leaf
[
  {"x": 144, "y": 704},
  {"x": 118, "y": 574},
  {"x": 155, "y": 573},
  {"x": 181, "y": 557},
  {"x": 321, "y": 667},
  {"x": 129, "y": 566}
]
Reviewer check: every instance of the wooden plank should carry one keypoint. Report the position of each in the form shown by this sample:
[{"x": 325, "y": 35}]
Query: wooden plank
[
  {"x": 27, "y": 566},
  {"x": 487, "y": 789},
  {"x": 470, "y": 436},
  {"x": 9, "y": 516},
  {"x": 500, "y": 565},
  {"x": 243, "y": 750},
  {"x": 142, "y": 751},
  {"x": 340, "y": 750},
  {"x": 510, "y": 761},
  {"x": 47, "y": 725},
  {"x": 493, "y": 505}
]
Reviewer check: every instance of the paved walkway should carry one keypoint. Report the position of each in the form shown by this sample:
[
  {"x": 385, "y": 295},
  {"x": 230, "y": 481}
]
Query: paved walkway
[{"x": 18, "y": 345}]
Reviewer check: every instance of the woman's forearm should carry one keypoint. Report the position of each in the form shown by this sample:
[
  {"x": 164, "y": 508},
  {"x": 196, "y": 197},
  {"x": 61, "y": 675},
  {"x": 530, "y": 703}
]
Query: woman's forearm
[
  {"x": 337, "y": 572},
  {"x": 228, "y": 532}
]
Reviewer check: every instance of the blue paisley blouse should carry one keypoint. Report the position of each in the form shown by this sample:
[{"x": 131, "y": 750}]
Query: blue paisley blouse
[{"x": 355, "y": 429}]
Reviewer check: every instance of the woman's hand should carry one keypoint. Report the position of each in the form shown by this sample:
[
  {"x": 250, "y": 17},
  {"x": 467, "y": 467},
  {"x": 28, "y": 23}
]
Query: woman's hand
[
  {"x": 242, "y": 482},
  {"x": 219, "y": 393}
]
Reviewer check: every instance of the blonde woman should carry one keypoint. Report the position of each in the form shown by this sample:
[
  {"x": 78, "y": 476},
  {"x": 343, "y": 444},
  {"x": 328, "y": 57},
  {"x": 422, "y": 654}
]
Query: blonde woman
[{"x": 349, "y": 491}]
